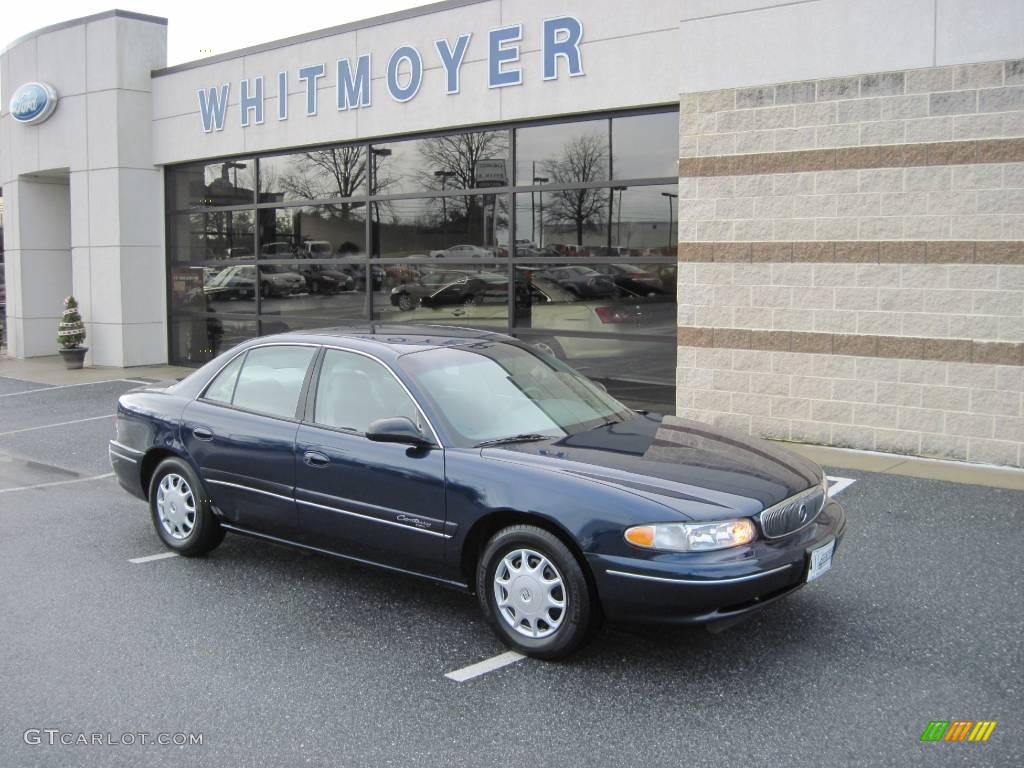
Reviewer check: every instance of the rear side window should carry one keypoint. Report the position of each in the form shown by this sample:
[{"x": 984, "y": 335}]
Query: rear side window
[
  {"x": 223, "y": 387},
  {"x": 270, "y": 380}
]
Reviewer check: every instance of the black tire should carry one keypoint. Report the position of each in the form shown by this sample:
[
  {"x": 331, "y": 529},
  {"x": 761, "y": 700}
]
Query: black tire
[
  {"x": 406, "y": 302},
  {"x": 206, "y": 532},
  {"x": 577, "y": 620}
]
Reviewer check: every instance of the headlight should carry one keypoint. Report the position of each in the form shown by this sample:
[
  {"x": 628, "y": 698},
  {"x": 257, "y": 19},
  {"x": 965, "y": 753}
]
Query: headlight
[{"x": 692, "y": 537}]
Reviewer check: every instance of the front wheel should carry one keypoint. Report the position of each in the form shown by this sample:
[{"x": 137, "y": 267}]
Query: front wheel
[
  {"x": 533, "y": 592},
  {"x": 181, "y": 512}
]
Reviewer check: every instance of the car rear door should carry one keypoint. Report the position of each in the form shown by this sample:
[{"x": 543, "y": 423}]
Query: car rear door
[
  {"x": 383, "y": 502},
  {"x": 241, "y": 434}
]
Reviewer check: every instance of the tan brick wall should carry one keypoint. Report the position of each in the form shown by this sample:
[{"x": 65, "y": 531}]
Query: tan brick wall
[{"x": 931, "y": 249}]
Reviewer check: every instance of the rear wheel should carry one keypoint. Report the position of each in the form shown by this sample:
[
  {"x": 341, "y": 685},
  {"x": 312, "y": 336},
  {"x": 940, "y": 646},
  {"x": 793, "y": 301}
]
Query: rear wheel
[
  {"x": 181, "y": 511},
  {"x": 534, "y": 593},
  {"x": 405, "y": 302}
]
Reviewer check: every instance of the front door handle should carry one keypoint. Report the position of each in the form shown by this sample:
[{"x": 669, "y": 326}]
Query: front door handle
[
  {"x": 202, "y": 433},
  {"x": 314, "y": 459}
]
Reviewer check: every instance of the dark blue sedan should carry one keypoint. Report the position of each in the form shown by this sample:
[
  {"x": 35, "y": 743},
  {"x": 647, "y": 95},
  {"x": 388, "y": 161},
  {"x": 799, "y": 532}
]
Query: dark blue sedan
[{"x": 474, "y": 460}]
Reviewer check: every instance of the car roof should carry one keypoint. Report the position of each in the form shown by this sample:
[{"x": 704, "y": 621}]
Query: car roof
[{"x": 390, "y": 340}]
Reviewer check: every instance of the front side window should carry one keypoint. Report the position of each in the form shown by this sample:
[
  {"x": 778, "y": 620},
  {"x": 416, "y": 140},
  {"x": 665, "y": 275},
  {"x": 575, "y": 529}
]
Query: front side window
[
  {"x": 354, "y": 391},
  {"x": 271, "y": 380},
  {"x": 497, "y": 390}
]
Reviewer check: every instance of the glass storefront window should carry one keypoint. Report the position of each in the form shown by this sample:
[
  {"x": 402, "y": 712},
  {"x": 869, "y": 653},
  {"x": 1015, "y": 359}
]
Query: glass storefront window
[
  {"x": 645, "y": 146},
  {"x": 621, "y": 299},
  {"x": 225, "y": 182},
  {"x": 562, "y": 153},
  {"x": 449, "y": 294},
  {"x": 329, "y": 293},
  {"x": 639, "y": 372},
  {"x": 212, "y": 236},
  {"x": 564, "y": 223},
  {"x": 196, "y": 339},
  {"x": 451, "y": 227},
  {"x": 439, "y": 163},
  {"x": 644, "y": 220},
  {"x": 413, "y": 231},
  {"x": 313, "y": 232},
  {"x": 319, "y": 174}
]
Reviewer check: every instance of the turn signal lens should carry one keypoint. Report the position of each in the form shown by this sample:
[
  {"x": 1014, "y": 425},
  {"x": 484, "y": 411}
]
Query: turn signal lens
[
  {"x": 692, "y": 537},
  {"x": 642, "y": 535}
]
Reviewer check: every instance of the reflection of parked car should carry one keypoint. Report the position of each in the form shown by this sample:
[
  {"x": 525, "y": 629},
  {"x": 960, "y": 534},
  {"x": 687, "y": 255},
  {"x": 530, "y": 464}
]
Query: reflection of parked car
[
  {"x": 316, "y": 249},
  {"x": 632, "y": 278},
  {"x": 582, "y": 281},
  {"x": 463, "y": 252},
  {"x": 280, "y": 280},
  {"x": 543, "y": 305},
  {"x": 355, "y": 268},
  {"x": 668, "y": 275},
  {"x": 279, "y": 249},
  {"x": 449, "y": 287},
  {"x": 325, "y": 278},
  {"x": 239, "y": 252},
  {"x": 238, "y": 282}
]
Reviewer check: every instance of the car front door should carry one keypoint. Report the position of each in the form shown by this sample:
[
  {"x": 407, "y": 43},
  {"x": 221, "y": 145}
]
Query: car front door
[
  {"x": 241, "y": 434},
  {"x": 383, "y": 502}
]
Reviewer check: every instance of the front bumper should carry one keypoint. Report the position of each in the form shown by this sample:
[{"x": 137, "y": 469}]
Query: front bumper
[{"x": 700, "y": 588}]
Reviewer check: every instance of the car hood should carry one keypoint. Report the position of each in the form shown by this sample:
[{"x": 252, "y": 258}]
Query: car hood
[{"x": 700, "y": 471}]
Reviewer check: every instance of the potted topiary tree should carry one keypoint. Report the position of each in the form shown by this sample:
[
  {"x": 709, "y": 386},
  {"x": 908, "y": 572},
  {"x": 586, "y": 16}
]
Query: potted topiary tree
[{"x": 71, "y": 334}]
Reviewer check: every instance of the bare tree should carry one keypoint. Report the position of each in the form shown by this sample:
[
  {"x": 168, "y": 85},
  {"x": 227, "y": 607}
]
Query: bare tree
[
  {"x": 585, "y": 159},
  {"x": 327, "y": 173},
  {"x": 450, "y": 162}
]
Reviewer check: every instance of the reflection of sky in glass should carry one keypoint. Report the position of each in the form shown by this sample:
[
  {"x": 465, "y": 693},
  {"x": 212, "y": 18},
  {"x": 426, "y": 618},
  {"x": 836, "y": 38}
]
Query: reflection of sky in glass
[
  {"x": 645, "y": 146},
  {"x": 537, "y": 147}
]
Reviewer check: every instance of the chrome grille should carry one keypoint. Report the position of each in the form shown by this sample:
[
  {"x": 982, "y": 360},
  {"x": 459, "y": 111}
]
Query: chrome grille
[{"x": 794, "y": 513}]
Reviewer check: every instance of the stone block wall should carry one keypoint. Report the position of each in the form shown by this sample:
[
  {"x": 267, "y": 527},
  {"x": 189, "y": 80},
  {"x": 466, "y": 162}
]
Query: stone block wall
[{"x": 852, "y": 261}]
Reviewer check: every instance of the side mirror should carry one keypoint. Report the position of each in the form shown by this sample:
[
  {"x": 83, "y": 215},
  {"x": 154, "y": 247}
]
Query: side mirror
[{"x": 397, "y": 429}]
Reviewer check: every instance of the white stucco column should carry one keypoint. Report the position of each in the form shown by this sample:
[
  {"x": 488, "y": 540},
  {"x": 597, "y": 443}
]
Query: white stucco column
[{"x": 96, "y": 149}]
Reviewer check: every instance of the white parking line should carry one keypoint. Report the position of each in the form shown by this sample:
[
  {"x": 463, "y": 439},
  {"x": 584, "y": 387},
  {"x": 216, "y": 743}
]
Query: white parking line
[
  {"x": 56, "y": 482},
  {"x": 58, "y": 424},
  {"x": 66, "y": 386},
  {"x": 838, "y": 484},
  {"x": 485, "y": 666},
  {"x": 151, "y": 558}
]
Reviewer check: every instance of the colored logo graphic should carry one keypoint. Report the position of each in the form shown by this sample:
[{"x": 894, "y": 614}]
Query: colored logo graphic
[
  {"x": 958, "y": 730},
  {"x": 33, "y": 103}
]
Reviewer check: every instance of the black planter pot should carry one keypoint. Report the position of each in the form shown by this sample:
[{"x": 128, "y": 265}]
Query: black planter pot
[{"x": 73, "y": 357}]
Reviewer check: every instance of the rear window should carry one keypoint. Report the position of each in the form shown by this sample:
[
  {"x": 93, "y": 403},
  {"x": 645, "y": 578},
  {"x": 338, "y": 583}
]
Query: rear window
[{"x": 268, "y": 381}]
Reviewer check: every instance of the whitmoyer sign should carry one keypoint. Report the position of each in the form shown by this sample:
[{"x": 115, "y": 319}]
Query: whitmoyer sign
[{"x": 561, "y": 38}]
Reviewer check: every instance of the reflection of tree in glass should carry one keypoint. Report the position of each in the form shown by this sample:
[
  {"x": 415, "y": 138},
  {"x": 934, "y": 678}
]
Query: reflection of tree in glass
[
  {"x": 452, "y": 162},
  {"x": 328, "y": 173},
  {"x": 584, "y": 159}
]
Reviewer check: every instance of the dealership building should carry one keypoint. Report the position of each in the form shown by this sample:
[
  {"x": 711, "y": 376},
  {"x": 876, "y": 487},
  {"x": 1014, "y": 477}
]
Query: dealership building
[{"x": 803, "y": 219}]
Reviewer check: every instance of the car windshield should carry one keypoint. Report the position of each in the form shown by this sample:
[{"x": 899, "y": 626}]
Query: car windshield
[{"x": 496, "y": 390}]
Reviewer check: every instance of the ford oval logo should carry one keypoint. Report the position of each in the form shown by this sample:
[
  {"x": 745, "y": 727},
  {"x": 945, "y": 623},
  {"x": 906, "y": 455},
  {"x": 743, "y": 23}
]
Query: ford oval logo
[{"x": 33, "y": 103}]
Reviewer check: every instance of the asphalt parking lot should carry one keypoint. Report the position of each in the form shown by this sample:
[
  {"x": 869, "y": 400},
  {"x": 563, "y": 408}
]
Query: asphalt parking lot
[{"x": 278, "y": 657}]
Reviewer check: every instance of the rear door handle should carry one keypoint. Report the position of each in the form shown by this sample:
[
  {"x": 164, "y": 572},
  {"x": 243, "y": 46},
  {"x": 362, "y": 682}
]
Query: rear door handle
[
  {"x": 314, "y": 459},
  {"x": 202, "y": 433}
]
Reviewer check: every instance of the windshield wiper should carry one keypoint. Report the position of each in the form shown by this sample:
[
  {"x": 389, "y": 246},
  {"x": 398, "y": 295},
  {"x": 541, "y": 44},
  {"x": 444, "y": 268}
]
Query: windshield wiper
[{"x": 525, "y": 438}]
